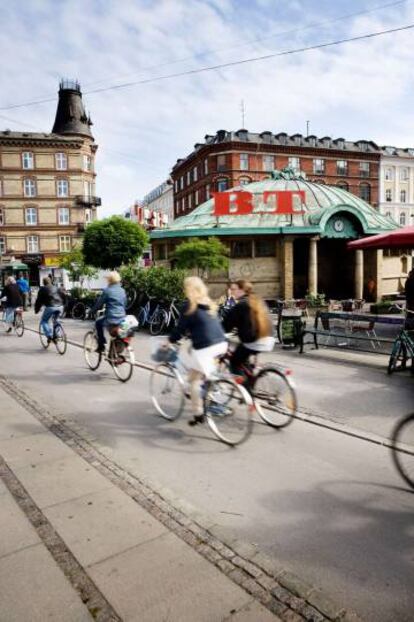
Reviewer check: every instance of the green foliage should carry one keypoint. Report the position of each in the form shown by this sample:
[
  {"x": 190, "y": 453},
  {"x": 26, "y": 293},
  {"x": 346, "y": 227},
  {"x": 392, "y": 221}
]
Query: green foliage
[
  {"x": 204, "y": 255},
  {"x": 316, "y": 300},
  {"x": 113, "y": 242},
  {"x": 86, "y": 295},
  {"x": 74, "y": 263},
  {"x": 158, "y": 281},
  {"x": 385, "y": 306}
]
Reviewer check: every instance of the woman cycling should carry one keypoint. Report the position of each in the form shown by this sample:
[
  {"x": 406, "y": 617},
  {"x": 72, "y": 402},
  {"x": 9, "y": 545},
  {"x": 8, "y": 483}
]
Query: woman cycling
[
  {"x": 199, "y": 323},
  {"x": 250, "y": 319}
]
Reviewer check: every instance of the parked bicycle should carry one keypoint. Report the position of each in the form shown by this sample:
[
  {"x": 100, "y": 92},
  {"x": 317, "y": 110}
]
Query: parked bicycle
[
  {"x": 119, "y": 353},
  {"x": 402, "y": 448},
  {"x": 151, "y": 315},
  {"x": 83, "y": 311},
  {"x": 58, "y": 335},
  {"x": 18, "y": 322},
  {"x": 271, "y": 388},
  {"x": 164, "y": 318},
  {"x": 403, "y": 346},
  {"x": 227, "y": 405}
]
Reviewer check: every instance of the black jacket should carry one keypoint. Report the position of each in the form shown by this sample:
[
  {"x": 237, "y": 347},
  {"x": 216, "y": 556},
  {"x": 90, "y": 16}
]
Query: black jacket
[
  {"x": 13, "y": 294},
  {"x": 239, "y": 318},
  {"x": 201, "y": 327},
  {"x": 48, "y": 296},
  {"x": 409, "y": 292}
]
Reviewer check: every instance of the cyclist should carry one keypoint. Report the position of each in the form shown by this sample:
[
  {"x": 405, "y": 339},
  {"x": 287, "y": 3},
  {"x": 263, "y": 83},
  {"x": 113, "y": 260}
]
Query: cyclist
[
  {"x": 198, "y": 322},
  {"x": 114, "y": 299},
  {"x": 13, "y": 300},
  {"x": 23, "y": 285},
  {"x": 49, "y": 298},
  {"x": 250, "y": 319}
]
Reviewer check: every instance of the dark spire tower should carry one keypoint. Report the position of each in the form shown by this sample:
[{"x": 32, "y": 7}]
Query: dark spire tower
[{"x": 71, "y": 118}]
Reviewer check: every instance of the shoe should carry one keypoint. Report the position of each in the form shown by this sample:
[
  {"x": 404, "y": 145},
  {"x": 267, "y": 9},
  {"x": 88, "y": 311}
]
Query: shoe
[
  {"x": 100, "y": 349},
  {"x": 196, "y": 419},
  {"x": 9, "y": 330},
  {"x": 49, "y": 340}
]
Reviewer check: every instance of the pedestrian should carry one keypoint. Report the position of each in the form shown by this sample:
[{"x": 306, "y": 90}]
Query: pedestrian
[
  {"x": 409, "y": 291},
  {"x": 23, "y": 285},
  {"x": 49, "y": 298},
  {"x": 370, "y": 290},
  {"x": 13, "y": 300},
  {"x": 198, "y": 322}
]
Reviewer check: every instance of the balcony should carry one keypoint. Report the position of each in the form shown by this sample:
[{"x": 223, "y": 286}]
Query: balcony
[{"x": 87, "y": 201}]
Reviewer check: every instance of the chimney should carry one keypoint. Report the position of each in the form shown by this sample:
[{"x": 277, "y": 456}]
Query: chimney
[{"x": 71, "y": 118}]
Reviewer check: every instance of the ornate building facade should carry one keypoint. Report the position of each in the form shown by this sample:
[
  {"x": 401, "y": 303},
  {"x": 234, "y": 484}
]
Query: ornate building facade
[{"x": 47, "y": 187}]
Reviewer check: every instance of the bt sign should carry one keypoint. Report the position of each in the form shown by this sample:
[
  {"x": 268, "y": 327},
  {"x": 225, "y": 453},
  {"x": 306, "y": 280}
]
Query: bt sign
[{"x": 242, "y": 203}]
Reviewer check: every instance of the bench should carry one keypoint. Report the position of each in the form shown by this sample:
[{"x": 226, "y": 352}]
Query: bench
[{"x": 354, "y": 325}]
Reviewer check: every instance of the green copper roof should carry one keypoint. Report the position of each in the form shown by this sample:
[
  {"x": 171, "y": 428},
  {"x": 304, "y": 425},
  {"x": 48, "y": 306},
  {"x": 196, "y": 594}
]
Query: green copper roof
[{"x": 322, "y": 202}]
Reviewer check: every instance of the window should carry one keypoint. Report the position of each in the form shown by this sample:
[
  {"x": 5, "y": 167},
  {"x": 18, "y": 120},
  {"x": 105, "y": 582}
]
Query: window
[
  {"x": 190, "y": 201},
  {"x": 404, "y": 173},
  {"x": 196, "y": 198},
  {"x": 32, "y": 244},
  {"x": 312, "y": 141},
  {"x": 241, "y": 249},
  {"x": 244, "y": 161},
  {"x": 207, "y": 191},
  {"x": 1, "y": 216},
  {"x": 64, "y": 215},
  {"x": 29, "y": 188},
  {"x": 403, "y": 219},
  {"x": 341, "y": 167},
  {"x": 31, "y": 216},
  {"x": 160, "y": 252},
  {"x": 403, "y": 196},
  {"x": 364, "y": 169},
  {"x": 62, "y": 188},
  {"x": 1, "y": 187},
  {"x": 365, "y": 192},
  {"x": 264, "y": 248},
  {"x": 388, "y": 175},
  {"x": 363, "y": 145},
  {"x": 188, "y": 178},
  {"x": 88, "y": 216},
  {"x": 2, "y": 245},
  {"x": 87, "y": 163},
  {"x": 343, "y": 185},
  {"x": 388, "y": 195},
  {"x": 175, "y": 186},
  {"x": 206, "y": 166},
  {"x": 268, "y": 163},
  {"x": 243, "y": 181},
  {"x": 195, "y": 174},
  {"x": 222, "y": 185},
  {"x": 61, "y": 161},
  {"x": 340, "y": 143},
  {"x": 318, "y": 166},
  {"x": 221, "y": 162},
  {"x": 87, "y": 189},
  {"x": 181, "y": 182},
  {"x": 388, "y": 214},
  {"x": 64, "y": 243},
  {"x": 27, "y": 160},
  {"x": 294, "y": 163}
]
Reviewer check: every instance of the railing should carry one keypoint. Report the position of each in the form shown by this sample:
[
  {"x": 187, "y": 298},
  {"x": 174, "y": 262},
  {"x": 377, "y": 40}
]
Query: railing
[{"x": 88, "y": 201}]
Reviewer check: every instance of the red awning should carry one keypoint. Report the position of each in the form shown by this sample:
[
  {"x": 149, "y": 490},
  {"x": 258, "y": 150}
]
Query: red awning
[{"x": 393, "y": 239}]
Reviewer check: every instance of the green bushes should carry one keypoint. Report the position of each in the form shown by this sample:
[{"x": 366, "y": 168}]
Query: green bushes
[{"x": 160, "y": 282}]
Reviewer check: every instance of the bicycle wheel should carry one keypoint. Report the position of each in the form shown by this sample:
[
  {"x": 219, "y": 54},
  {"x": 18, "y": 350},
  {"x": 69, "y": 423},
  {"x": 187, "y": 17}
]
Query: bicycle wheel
[
  {"x": 59, "y": 338},
  {"x": 167, "y": 391},
  {"x": 131, "y": 298},
  {"x": 228, "y": 408},
  {"x": 158, "y": 322},
  {"x": 121, "y": 359},
  {"x": 43, "y": 339},
  {"x": 141, "y": 318},
  {"x": 90, "y": 345},
  {"x": 398, "y": 354},
  {"x": 274, "y": 397},
  {"x": 78, "y": 311},
  {"x": 19, "y": 325},
  {"x": 402, "y": 448}
]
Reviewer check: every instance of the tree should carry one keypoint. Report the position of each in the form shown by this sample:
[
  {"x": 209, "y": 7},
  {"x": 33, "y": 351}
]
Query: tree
[
  {"x": 113, "y": 242},
  {"x": 74, "y": 263},
  {"x": 157, "y": 281},
  {"x": 204, "y": 255}
]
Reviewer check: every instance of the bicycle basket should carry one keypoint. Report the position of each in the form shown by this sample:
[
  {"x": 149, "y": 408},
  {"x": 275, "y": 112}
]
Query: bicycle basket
[{"x": 165, "y": 355}]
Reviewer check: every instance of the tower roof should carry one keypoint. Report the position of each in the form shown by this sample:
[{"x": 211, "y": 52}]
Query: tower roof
[{"x": 71, "y": 117}]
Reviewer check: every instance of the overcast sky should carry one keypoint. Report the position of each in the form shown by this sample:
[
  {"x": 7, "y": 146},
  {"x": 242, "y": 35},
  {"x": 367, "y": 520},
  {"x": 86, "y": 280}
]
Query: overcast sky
[{"x": 356, "y": 90}]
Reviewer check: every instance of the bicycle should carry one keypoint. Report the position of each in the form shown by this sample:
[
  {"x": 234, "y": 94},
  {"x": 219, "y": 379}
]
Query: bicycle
[
  {"x": 154, "y": 319},
  {"x": 163, "y": 318},
  {"x": 83, "y": 311},
  {"x": 402, "y": 448},
  {"x": 18, "y": 323},
  {"x": 119, "y": 354},
  {"x": 227, "y": 405},
  {"x": 132, "y": 296},
  {"x": 403, "y": 346},
  {"x": 58, "y": 335},
  {"x": 272, "y": 390}
]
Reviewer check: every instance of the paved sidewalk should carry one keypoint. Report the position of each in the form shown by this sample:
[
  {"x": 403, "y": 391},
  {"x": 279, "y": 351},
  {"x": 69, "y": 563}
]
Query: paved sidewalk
[{"x": 73, "y": 536}]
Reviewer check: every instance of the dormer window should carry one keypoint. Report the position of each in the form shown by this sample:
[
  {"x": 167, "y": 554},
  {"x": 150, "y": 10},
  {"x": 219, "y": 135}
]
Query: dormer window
[
  {"x": 340, "y": 143},
  {"x": 312, "y": 141},
  {"x": 363, "y": 145},
  {"x": 242, "y": 134}
]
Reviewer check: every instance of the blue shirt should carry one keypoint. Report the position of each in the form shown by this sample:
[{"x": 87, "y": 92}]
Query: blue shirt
[
  {"x": 23, "y": 285},
  {"x": 114, "y": 298}
]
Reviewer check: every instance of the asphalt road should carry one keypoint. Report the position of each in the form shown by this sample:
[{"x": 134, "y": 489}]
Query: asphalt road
[{"x": 327, "y": 506}]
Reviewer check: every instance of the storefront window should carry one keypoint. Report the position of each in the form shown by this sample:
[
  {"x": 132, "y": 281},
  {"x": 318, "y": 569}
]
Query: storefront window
[
  {"x": 264, "y": 248},
  {"x": 241, "y": 249}
]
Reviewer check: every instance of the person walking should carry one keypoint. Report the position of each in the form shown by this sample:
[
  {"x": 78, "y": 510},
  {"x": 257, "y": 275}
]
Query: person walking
[
  {"x": 409, "y": 291},
  {"x": 23, "y": 285},
  {"x": 114, "y": 299},
  {"x": 250, "y": 319},
  {"x": 49, "y": 298},
  {"x": 198, "y": 322},
  {"x": 12, "y": 301}
]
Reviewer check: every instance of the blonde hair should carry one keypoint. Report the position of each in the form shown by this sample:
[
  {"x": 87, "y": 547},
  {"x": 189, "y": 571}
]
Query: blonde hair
[
  {"x": 113, "y": 277},
  {"x": 197, "y": 293},
  {"x": 259, "y": 314},
  {"x": 10, "y": 280}
]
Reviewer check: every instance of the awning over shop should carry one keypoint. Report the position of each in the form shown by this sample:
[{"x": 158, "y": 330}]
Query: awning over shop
[
  {"x": 14, "y": 265},
  {"x": 400, "y": 238}
]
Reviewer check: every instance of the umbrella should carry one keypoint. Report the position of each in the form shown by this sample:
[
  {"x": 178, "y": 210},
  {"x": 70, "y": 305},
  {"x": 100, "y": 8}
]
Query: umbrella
[{"x": 399, "y": 238}]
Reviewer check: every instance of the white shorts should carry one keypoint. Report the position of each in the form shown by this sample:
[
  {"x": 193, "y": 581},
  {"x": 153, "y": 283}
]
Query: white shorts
[{"x": 204, "y": 360}]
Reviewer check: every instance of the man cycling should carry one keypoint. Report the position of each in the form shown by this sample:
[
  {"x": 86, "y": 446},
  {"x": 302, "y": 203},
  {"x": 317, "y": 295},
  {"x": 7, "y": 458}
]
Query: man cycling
[
  {"x": 49, "y": 298},
  {"x": 114, "y": 299}
]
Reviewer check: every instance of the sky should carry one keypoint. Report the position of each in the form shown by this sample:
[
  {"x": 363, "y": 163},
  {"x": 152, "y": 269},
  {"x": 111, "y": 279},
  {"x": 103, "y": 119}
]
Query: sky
[{"x": 359, "y": 90}]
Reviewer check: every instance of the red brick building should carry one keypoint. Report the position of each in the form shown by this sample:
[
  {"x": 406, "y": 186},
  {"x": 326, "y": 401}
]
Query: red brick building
[{"x": 232, "y": 159}]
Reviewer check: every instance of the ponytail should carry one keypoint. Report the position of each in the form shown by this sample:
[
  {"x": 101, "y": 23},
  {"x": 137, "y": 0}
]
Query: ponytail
[{"x": 258, "y": 311}]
